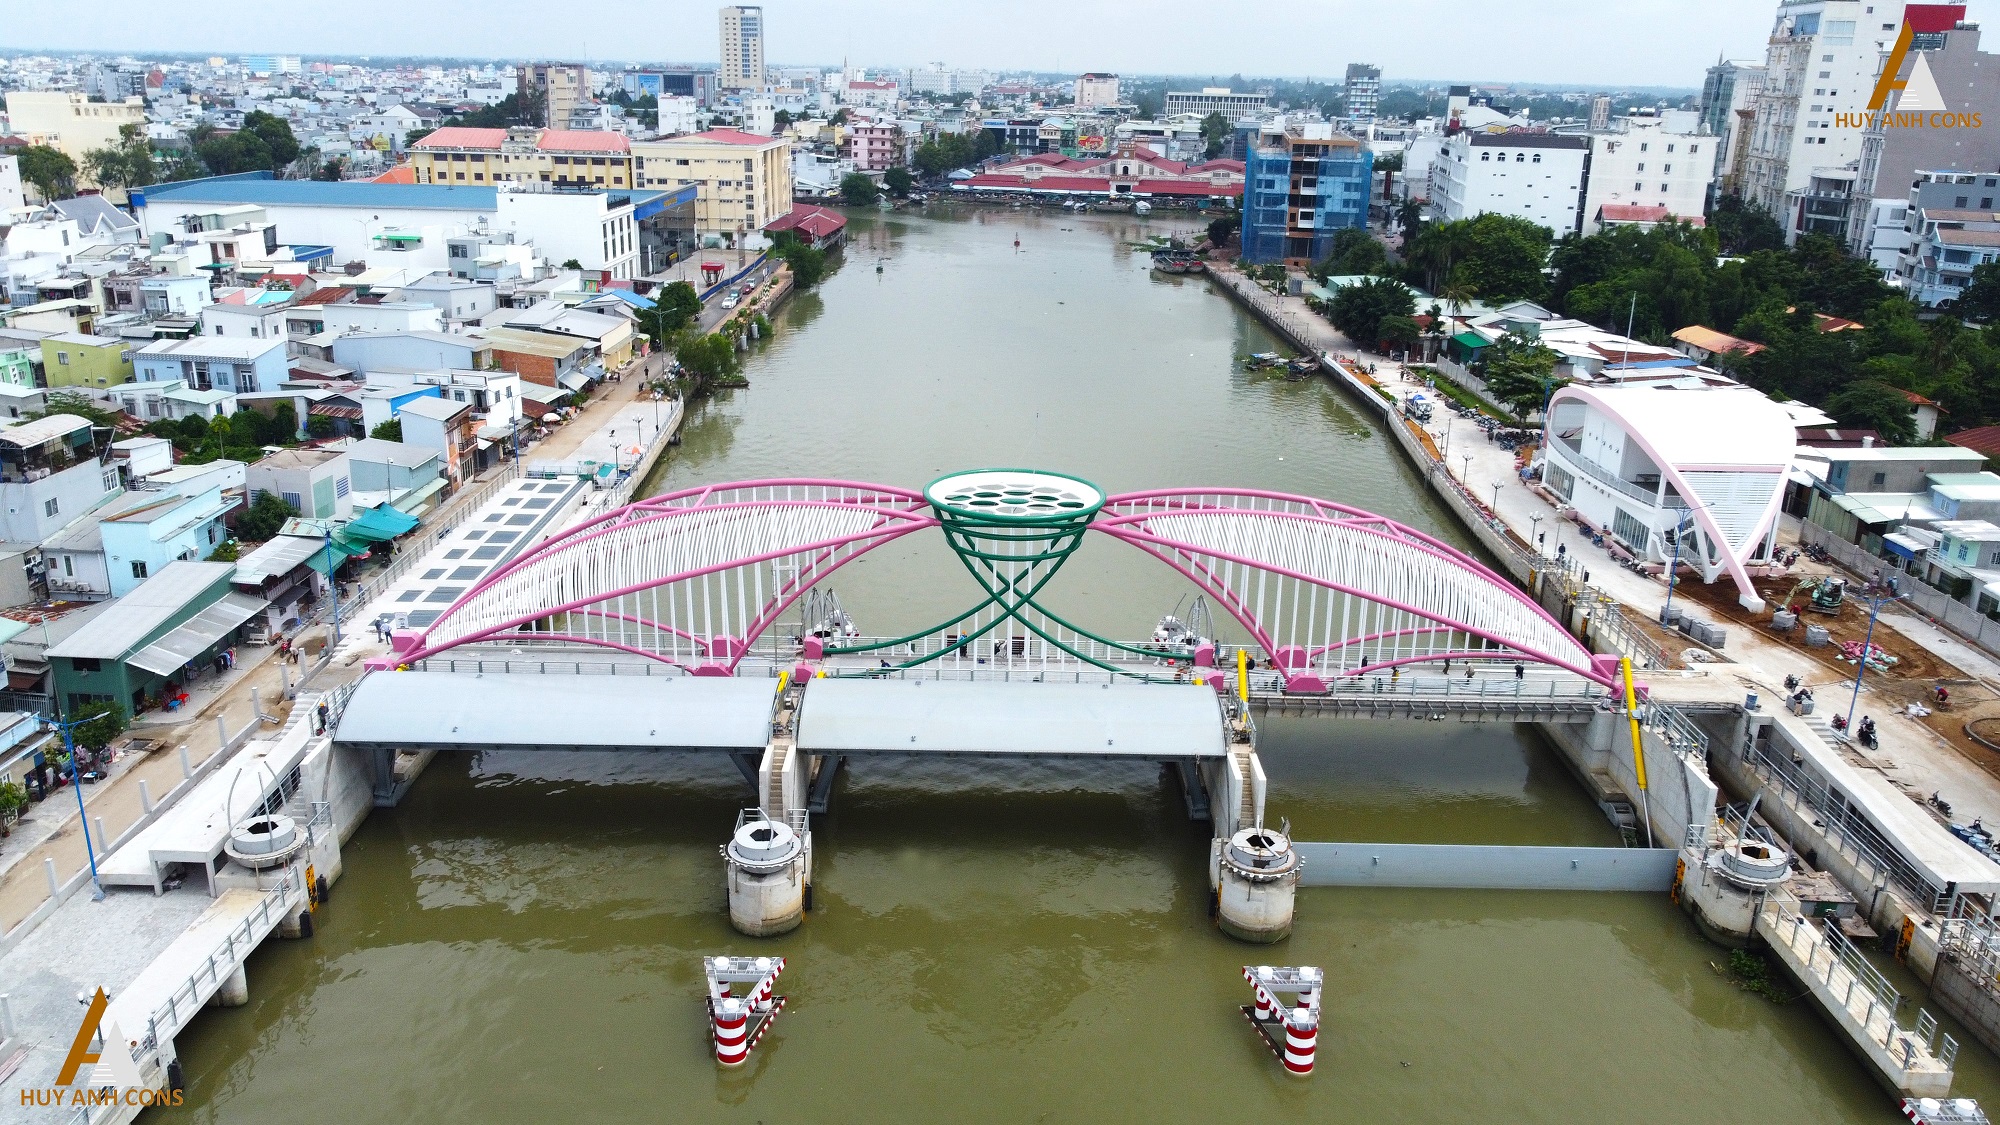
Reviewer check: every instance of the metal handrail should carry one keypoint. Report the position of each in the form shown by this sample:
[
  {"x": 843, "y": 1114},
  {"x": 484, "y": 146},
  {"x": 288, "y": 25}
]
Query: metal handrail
[
  {"x": 1605, "y": 476},
  {"x": 167, "y": 1019}
]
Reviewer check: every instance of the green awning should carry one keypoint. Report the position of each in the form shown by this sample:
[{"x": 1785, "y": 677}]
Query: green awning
[
  {"x": 400, "y": 237},
  {"x": 1472, "y": 340},
  {"x": 327, "y": 560},
  {"x": 379, "y": 525},
  {"x": 415, "y": 497}
]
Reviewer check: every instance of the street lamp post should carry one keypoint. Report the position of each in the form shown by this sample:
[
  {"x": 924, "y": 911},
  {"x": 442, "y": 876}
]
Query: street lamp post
[
  {"x": 1465, "y": 474},
  {"x": 83, "y": 818},
  {"x": 1674, "y": 568},
  {"x": 1535, "y": 532},
  {"x": 1496, "y": 499},
  {"x": 1878, "y": 596}
]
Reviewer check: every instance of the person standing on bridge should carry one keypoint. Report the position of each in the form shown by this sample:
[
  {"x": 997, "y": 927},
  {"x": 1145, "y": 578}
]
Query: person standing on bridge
[{"x": 1519, "y": 672}]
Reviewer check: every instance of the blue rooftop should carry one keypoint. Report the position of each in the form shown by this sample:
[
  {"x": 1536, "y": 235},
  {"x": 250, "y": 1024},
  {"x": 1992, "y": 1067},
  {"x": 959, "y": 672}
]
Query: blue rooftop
[
  {"x": 629, "y": 297},
  {"x": 259, "y": 189}
]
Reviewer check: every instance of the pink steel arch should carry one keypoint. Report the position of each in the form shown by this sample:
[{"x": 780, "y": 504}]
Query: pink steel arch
[
  {"x": 1293, "y": 571},
  {"x": 1326, "y": 590}
]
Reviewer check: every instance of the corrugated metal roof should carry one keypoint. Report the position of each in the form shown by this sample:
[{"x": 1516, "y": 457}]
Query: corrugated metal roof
[
  {"x": 988, "y": 717},
  {"x": 156, "y": 601},
  {"x": 282, "y": 555},
  {"x": 351, "y": 193},
  {"x": 528, "y": 711},
  {"x": 171, "y": 653}
]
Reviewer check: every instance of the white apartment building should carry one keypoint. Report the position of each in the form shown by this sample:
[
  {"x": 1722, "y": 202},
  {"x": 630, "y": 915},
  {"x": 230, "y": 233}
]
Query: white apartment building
[
  {"x": 1216, "y": 99},
  {"x": 1534, "y": 176},
  {"x": 71, "y": 122},
  {"x": 742, "y": 49},
  {"x": 938, "y": 78},
  {"x": 679, "y": 115},
  {"x": 1726, "y": 98},
  {"x": 1364, "y": 91},
  {"x": 1096, "y": 91},
  {"x": 1656, "y": 160},
  {"x": 743, "y": 180},
  {"x": 1822, "y": 62}
]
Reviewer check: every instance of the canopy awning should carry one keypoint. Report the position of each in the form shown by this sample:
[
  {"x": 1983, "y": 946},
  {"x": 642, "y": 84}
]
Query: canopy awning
[
  {"x": 399, "y": 236},
  {"x": 535, "y": 392},
  {"x": 171, "y": 653},
  {"x": 1903, "y": 545},
  {"x": 327, "y": 559},
  {"x": 379, "y": 525},
  {"x": 575, "y": 380},
  {"x": 1471, "y": 340},
  {"x": 415, "y": 497},
  {"x": 276, "y": 558}
]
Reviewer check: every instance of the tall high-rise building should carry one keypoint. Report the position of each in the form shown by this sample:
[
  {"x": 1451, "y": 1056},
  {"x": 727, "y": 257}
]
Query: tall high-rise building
[
  {"x": 1600, "y": 113},
  {"x": 1096, "y": 91},
  {"x": 562, "y": 86},
  {"x": 1729, "y": 89},
  {"x": 1819, "y": 71},
  {"x": 742, "y": 48},
  {"x": 1364, "y": 91}
]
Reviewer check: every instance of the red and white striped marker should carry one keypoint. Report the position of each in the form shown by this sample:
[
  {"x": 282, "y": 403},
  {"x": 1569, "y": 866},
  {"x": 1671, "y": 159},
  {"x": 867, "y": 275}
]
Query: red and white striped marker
[
  {"x": 1301, "y": 1040},
  {"x": 732, "y": 1032}
]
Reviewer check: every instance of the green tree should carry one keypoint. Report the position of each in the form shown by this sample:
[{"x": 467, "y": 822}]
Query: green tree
[
  {"x": 264, "y": 144},
  {"x": 265, "y": 517},
  {"x": 1981, "y": 299},
  {"x": 1834, "y": 282},
  {"x": 415, "y": 135},
  {"x": 1400, "y": 333},
  {"x": 807, "y": 262},
  {"x": 1868, "y": 404},
  {"x": 674, "y": 307},
  {"x": 320, "y": 427},
  {"x": 783, "y": 117},
  {"x": 898, "y": 180},
  {"x": 839, "y": 117},
  {"x": 708, "y": 358},
  {"x": 128, "y": 164},
  {"x": 1359, "y": 310},
  {"x": 332, "y": 171},
  {"x": 858, "y": 190},
  {"x": 1354, "y": 251},
  {"x": 97, "y": 724},
  {"x": 1215, "y": 130},
  {"x": 1519, "y": 372},
  {"x": 78, "y": 404},
  {"x": 52, "y": 173},
  {"x": 1224, "y": 227},
  {"x": 392, "y": 430},
  {"x": 1744, "y": 228},
  {"x": 229, "y": 550}
]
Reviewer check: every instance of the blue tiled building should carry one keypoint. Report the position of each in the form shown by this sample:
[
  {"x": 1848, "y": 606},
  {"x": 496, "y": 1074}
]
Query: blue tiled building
[{"x": 1301, "y": 183}]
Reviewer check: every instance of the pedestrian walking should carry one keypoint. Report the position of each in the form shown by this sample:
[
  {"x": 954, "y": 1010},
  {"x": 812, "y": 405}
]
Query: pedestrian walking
[{"x": 1519, "y": 672}]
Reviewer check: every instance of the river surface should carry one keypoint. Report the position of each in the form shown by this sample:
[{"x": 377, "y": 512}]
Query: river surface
[{"x": 998, "y": 941}]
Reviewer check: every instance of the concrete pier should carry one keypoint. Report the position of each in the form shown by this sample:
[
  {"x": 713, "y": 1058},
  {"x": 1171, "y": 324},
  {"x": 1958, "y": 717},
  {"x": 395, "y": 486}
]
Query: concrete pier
[
  {"x": 766, "y": 861},
  {"x": 234, "y": 991},
  {"x": 1259, "y": 879}
]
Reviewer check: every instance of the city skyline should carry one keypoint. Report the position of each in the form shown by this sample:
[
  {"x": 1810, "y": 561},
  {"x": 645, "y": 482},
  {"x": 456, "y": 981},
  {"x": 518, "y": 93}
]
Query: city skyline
[{"x": 1671, "y": 43}]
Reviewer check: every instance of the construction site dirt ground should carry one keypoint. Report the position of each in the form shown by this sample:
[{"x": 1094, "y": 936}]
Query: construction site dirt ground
[{"x": 1913, "y": 679}]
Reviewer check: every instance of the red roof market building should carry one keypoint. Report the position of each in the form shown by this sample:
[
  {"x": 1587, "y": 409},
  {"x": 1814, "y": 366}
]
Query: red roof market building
[
  {"x": 1131, "y": 171},
  {"x": 817, "y": 225}
]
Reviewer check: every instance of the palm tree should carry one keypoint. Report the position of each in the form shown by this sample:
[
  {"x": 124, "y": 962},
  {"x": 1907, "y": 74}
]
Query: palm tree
[{"x": 1458, "y": 293}]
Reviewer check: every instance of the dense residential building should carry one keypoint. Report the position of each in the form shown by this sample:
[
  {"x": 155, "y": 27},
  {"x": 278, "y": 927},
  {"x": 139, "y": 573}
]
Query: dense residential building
[
  {"x": 1948, "y": 246},
  {"x": 52, "y": 470},
  {"x": 1535, "y": 176},
  {"x": 1216, "y": 99},
  {"x": 1819, "y": 74},
  {"x": 1654, "y": 160},
  {"x": 742, "y": 48},
  {"x": 1892, "y": 233},
  {"x": 225, "y": 363},
  {"x": 1726, "y": 112},
  {"x": 269, "y": 66},
  {"x": 561, "y": 86},
  {"x": 743, "y": 180},
  {"x": 875, "y": 146},
  {"x": 557, "y": 159},
  {"x": 71, "y": 122},
  {"x": 1133, "y": 171},
  {"x": 144, "y": 532},
  {"x": 1096, "y": 91},
  {"x": 1945, "y": 50},
  {"x": 1301, "y": 184},
  {"x": 71, "y": 359},
  {"x": 1364, "y": 92}
]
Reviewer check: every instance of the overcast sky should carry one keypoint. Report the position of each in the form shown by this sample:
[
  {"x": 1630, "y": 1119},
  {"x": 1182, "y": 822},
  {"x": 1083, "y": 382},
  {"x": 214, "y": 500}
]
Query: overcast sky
[{"x": 1601, "y": 42}]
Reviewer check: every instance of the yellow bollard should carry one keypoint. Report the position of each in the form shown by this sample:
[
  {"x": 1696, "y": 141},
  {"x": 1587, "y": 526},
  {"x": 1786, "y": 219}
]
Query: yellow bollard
[
  {"x": 1638, "y": 747},
  {"x": 1243, "y": 675}
]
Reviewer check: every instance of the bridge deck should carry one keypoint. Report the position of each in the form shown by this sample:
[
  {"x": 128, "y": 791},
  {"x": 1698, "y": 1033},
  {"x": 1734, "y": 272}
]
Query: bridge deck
[
  {"x": 1157, "y": 721},
  {"x": 419, "y": 710}
]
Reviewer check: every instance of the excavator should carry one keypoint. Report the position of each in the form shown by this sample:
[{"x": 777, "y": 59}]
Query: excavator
[{"x": 1827, "y": 595}]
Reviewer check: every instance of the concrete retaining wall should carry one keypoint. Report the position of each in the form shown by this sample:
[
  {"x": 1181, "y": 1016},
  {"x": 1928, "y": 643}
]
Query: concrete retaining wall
[
  {"x": 1679, "y": 794},
  {"x": 1477, "y": 867},
  {"x": 1974, "y": 1006}
]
